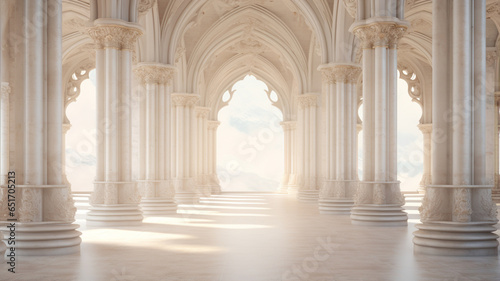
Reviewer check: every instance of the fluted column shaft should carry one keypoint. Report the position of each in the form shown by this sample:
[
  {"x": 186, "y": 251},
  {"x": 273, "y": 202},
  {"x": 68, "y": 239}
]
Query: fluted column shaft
[
  {"x": 378, "y": 200},
  {"x": 155, "y": 177},
  {"x": 288, "y": 130},
  {"x": 44, "y": 209},
  {"x": 115, "y": 198},
  {"x": 307, "y": 141},
  {"x": 426, "y": 130},
  {"x": 185, "y": 147},
  {"x": 339, "y": 80},
  {"x": 202, "y": 150},
  {"x": 212, "y": 156},
  {"x": 457, "y": 213}
]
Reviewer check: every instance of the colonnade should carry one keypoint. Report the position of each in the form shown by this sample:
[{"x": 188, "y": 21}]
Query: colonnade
[{"x": 178, "y": 141}]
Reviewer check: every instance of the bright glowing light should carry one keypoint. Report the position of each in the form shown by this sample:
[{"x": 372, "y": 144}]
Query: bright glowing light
[
  {"x": 81, "y": 138},
  {"x": 250, "y": 149}
]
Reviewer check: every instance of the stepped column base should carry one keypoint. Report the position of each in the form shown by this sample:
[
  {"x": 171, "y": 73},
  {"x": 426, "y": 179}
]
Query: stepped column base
[
  {"x": 333, "y": 206},
  {"x": 445, "y": 238},
  {"x": 114, "y": 215},
  {"x": 187, "y": 198},
  {"x": 379, "y": 215},
  {"x": 43, "y": 238},
  {"x": 158, "y": 206},
  {"x": 308, "y": 195}
]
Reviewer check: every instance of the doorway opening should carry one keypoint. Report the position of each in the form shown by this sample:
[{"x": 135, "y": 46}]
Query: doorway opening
[
  {"x": 250, "y": 139},
  {"x": 80, "y": 142}
]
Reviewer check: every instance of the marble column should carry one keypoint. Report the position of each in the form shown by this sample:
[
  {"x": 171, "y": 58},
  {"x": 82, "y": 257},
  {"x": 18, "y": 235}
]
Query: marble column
[
  {"x": 213, "y": 179},
  {"x": 31, "y": 121},
  {"x": 378, "y": 200},
  {"x": 183, "y": 148},
  {"x": 458, "y": 215},
  {"x": 308, "y": 189},
  {"x": 115, "y": 200},
  {"x": 336, "y": 195},
  {"x": 155, "y": 182},
  {"x": 288, "y": 130},
  {"x": 292, "y": 178},
  {"x": 426, "y": 130},
  {"x": 202, "y": 175}
]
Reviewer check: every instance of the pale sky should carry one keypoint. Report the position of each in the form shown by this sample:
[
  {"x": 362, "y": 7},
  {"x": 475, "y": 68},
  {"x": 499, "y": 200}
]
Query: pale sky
[{"x": 249, "y": 143}]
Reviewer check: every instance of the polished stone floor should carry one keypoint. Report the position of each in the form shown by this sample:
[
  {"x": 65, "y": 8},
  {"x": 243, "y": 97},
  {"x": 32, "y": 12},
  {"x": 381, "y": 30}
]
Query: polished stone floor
[{"x": 237, "y": 237}]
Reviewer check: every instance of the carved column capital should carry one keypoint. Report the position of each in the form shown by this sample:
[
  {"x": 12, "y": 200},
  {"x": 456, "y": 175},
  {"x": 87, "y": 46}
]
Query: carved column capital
[
  {"x": 114, "y": 34},
  {"x": 202, "y": 112},
  {"x": 187, "y": 100},
  {"x": 380, "y": 33},
  {"x": 307, "y": 100},
  {"x": 425, "y": 128},
  {"x": 154, "y": 73},
  {"x": 289, "y": 125},
  {"x": 213, "y": 125},
  {"x": 342, "y": 73}
]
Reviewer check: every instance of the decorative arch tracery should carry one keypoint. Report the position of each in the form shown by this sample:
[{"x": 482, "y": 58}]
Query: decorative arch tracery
[{"x": 72, "y": 90}]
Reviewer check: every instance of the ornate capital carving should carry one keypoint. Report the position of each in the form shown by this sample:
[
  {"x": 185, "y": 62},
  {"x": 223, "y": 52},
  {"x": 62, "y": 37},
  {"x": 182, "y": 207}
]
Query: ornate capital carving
[
  {"x": 327, "y": 73},
  {"x": 352, "y": 7},
  {"x": 425, "y": 128},
  {"x": 380, "y": 33},
  {"x": 187, "y": 100},
  {"x": 145, "y": 5},
  {"x": 116, "y": 36},
  {"x": 153, "y": 73},
  {"x": 342, "y": 73},
  {"x": 307, "y": 100},
  {"x": 289, "y": 125},
  {"x": 5, "y": 92},
  {"x": 213, "y": 125},
  {"x": 202, "y": 112}
]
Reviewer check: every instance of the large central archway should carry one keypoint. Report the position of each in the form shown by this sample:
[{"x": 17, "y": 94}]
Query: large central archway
[{"x": 250, "y": 141}]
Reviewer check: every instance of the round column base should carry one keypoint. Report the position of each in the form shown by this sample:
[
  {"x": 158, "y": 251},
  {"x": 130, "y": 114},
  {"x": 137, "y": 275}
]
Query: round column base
[
  {"x": 444, "y": 238},
  {"x": 335, "y": 206},
  {"x": 158, "y": 206},
  {"x": 379, "y": 215},
  {"x": 187, "y": 198},
  {"x": 114, "y": 215},
  {"x": 215, "y": 189},
  {"x": 308, "y": 195},
  {"x": 43, "y": 238}
]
